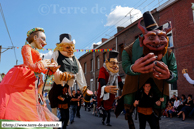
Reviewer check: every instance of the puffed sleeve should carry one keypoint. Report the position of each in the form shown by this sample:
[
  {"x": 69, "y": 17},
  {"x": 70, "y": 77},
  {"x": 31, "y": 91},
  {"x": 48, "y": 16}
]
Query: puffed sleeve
[{"x": 27, "y": 57}]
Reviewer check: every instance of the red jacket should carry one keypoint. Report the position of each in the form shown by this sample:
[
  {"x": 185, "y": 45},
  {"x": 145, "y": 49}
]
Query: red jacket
[{"x": 107, "y": 104}]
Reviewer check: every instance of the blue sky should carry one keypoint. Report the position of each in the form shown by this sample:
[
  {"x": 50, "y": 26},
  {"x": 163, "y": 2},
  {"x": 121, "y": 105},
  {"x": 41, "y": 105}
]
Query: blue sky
[{"x": 86, "y": 20}]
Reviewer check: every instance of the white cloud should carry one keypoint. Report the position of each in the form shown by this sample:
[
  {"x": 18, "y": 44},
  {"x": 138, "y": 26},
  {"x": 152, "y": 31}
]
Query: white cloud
[
  {"x": 47, "y": 55},
  {"x": 120, "y": 12}
]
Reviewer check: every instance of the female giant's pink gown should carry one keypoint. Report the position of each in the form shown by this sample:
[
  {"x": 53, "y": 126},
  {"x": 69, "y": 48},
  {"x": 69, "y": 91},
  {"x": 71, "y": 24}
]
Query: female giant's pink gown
[{"x": 18, "y": 94}]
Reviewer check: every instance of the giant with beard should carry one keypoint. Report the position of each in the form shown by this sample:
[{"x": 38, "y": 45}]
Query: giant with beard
[{"x": 148, "y": 57}]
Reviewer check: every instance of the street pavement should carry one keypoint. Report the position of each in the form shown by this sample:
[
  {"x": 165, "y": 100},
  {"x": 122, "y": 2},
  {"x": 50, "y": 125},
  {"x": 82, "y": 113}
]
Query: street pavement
[{"x": 89, "y": 121}]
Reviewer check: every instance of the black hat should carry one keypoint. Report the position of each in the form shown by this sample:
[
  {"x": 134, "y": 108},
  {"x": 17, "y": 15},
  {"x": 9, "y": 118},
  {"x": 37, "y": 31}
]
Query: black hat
[
  {"x": 150, "y": 22},
  {"x": 65, "y": 35},
  {"x": 113, "y": 54},
  {"x": 149, "y": 81}
]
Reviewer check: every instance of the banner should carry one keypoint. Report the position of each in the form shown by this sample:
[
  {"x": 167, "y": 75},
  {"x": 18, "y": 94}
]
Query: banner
[{"x": 76, "y": 50}]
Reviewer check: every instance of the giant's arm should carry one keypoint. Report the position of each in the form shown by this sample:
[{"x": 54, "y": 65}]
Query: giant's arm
[
  {"x": 58, "y": 72},
  {"x": 80, "y": 77},
  {"x": 27, "y": 57},
  {"x": 186, "y": 75},
  {"x": 127, "y": 64},
  {"x": 173, "y": 68}
]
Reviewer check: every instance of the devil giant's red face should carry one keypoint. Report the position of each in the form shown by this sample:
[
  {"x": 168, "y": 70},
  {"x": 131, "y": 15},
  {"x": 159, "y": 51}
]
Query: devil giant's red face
[{"x": 155, "y": 40}]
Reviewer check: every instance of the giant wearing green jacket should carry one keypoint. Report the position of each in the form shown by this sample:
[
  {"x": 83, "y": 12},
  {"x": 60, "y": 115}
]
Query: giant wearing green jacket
[{"x": 148, "y": 57}]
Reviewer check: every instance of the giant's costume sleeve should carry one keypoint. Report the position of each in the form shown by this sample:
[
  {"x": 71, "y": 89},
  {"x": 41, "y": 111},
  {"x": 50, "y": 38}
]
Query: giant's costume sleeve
[
  {"x": 127, "y": 64},
  {"x": 186, "y": 75},
  {"x": 28, "y": 60},
  {"x": 172, "y": 66}
]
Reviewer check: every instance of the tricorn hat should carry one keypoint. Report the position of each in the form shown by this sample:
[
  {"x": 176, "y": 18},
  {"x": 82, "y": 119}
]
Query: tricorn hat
[
  {"x": 113, "y": 54},
  {"x": 150, "y": 22},
  {"x": 65, "y": 38}
]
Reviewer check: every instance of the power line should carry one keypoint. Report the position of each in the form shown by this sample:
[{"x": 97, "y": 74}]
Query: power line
[
  {"x": 123, "y": 18},
  {"x": 2, "y": 14},
  {"x": 112, "y": 26},
  {"x": 114, "y": 23}
]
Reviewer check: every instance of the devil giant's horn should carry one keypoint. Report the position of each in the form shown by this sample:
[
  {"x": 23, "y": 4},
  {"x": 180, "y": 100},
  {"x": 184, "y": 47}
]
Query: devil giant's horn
[
  {"x": 169, "y": 28},
  {"x": 142, "y": 28}
]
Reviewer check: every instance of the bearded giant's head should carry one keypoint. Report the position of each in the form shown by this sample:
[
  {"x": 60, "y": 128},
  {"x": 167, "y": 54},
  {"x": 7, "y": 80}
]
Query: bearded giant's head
[
  {"x": 66, "y": 46},
  {"x": 154, "y": 38},
  {"x": 112, "y": 63}
]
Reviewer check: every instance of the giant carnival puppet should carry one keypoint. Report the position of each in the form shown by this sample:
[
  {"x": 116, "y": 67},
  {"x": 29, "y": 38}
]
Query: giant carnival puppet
[
  {"x": 21, "y": 89},
  {"x": 69, "y": 72},
  {"x": 109, "y": 82},
  {"x": 148, "y": 57}
]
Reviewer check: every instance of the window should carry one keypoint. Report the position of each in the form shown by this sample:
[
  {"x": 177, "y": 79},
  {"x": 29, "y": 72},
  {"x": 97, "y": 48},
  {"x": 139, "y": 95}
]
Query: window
[
  {"x": 98, "y": 62},
  {"x": 170, "y": 35},
  {"x": 104, "y": 56},
  {"x": 174, "y": 86},
  {"x": 85, "y": 68},
  {"x": 92, "y": 65}
]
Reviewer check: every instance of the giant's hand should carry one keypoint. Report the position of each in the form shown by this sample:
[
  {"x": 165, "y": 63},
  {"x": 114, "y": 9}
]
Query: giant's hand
[
  {"x": 111, "y": 89},
  {"x": 144, "y": 64},
  {"x": 46, "y": 63},
  {"x": 161, "y": 71},
  {"x": 184, "y": 71},
  {"x": 49, "y": 63},
  {"x": 54, "y": 69},
  {"x": 65, "y": 76}
]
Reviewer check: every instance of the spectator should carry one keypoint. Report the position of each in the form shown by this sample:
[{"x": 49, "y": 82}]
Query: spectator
[
  {"x": 78, "y": 94},
  {"x": 73, "y": 106},
  {"x": 182, "y": 102},
  {"x": 176, "y": 103},
  {"x": 87, "y": 106},
  {"x": 94, "y": 99},
  {"x": 172, "y": 99},
  {"x": 64, "y": 100},
  {"x": 187, "y": 108},
  {"x": 169, "y": 110}
]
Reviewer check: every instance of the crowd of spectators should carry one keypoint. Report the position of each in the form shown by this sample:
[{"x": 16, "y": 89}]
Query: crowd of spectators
[{"x": 181, "y": 108}]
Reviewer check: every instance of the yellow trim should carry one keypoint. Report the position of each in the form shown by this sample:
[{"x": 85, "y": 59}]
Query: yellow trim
[
  {"x": 86, "y": 101},
  {"x": 152, "y": 25}
]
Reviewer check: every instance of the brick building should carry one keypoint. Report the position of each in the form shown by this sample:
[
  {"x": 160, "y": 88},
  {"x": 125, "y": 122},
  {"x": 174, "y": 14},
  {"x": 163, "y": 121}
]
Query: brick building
[{"x": 181, "y": 15}]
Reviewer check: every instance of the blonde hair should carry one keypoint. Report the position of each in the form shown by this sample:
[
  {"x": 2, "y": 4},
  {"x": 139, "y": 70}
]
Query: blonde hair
[{"x": 59, "y": 47}]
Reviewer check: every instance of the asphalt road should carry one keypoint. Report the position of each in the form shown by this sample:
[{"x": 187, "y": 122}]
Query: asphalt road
[{"x": 89, "y": 121}]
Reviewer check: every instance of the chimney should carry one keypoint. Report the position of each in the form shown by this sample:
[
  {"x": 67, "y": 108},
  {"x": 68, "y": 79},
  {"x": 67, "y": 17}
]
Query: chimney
[
  {"x": 104, "y": 39},
  {"x": 119, "y": 28},
  {"x": 95, "y": 45}
]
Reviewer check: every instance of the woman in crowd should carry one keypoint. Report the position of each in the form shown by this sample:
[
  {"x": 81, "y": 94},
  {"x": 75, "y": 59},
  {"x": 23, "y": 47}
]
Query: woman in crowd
[
  {"x": 176, "y": 103},
  {"x": 182, "y": 102},
  {"x": 187, "y": 108}
]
